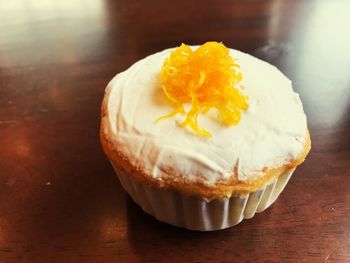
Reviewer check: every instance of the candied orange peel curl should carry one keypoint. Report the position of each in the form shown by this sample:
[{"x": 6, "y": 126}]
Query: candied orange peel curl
[{"x": 206, "y": 78}]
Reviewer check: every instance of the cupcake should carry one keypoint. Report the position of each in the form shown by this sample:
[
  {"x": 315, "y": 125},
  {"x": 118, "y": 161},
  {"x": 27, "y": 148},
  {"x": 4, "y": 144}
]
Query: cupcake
[{"x": 203, "y": 137}]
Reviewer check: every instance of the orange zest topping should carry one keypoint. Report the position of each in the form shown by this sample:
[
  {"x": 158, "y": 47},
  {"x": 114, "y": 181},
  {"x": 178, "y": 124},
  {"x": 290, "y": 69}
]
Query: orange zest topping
[{"x": 206, "y": 78}]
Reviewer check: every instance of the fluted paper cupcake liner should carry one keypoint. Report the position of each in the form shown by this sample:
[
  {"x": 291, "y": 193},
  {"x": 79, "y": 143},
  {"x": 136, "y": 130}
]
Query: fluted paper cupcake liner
[{"x": 195, "y": 213}]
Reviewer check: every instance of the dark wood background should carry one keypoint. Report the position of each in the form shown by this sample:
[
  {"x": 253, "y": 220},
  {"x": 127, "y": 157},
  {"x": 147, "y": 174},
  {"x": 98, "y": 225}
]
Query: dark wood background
[{"x": 59, "y": 198}]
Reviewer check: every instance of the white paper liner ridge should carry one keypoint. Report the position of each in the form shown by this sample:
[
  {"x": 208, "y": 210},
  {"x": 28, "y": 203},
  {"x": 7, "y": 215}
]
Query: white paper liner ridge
[{"x": 196, "y": 214}]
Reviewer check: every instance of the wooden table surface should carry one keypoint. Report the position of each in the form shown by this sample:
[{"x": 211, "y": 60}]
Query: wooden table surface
[{"x": 59, "y": 198}]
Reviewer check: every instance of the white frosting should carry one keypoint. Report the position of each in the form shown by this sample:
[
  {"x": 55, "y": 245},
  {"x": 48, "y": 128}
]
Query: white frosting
[{"x": 270, "y": 134}]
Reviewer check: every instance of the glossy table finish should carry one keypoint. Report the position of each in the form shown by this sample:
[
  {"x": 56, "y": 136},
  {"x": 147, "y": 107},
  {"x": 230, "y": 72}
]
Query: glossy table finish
[{"x": 59, "y": 198}]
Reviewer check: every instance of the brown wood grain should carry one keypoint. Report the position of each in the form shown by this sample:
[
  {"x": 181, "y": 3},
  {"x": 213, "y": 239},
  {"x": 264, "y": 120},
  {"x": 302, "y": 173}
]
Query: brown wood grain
[{"x": 59, "y": 198}]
